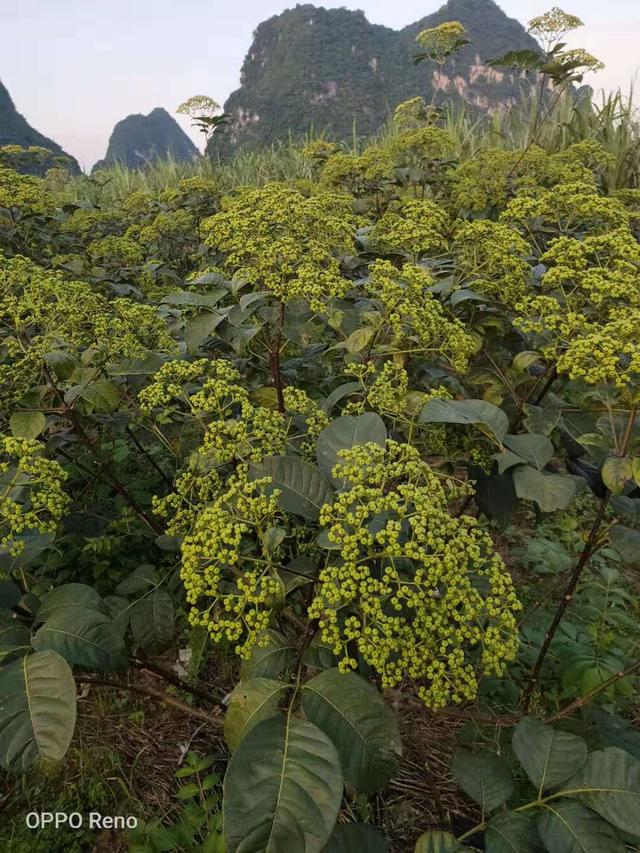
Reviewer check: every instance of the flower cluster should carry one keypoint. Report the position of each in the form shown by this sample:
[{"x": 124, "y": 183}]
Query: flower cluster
[
  {"x": 439, "y": 42},
  {"x": 491, "y": 258},
  {"x": 423, "y": 146},
  {"x": 412, "y": 115},
  {"x": 227, "y": 570},
  {"x": 419, "y": 593},
  {"x": 420, "y": 228},
  {"x": 45, "y": 312},
  {"x": 413, "y": 318},
  {"x": 565, "y": 209},
  {"x": 360, "y": 174},
  {"x": 280, "y": 240},
  {"x": 31, "y": 493}
]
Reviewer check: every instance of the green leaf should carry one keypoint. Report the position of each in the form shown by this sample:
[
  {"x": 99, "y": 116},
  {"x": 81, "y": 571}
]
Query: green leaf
[
  {"x": 356, "y": 838},
  {"x": 484, "y": 776},
  {"x": 536, "y": 449},
  {"x": 358, "y": 340},
  {"x": 102, "y": 394},
  {"x": 283, "y": 789},
  {"x": 511, "y": 832},
  {"x": 303, "y": 488},
  {"x": 541, "y": 420},
  {"x": 270, "y": 655},
  {"x": 359, "y": 722},
  {"x": 611, "y": 781},
  {"x": 141, "y": 580},
  {"x": 343, "y": 434},
  {"x": 550, "y": 491},
  {"x": 189, "y": 298},
  {"x": 339, "y": 393},
  {"x": 251, "y": 702},
  {"x": 437, "y": 841},
  {"x": 568, "y": 827},
  {"x": 487, "y": 417},
  {"x": 37, "y": 710},
  {"x": 153, "y": 621},
  {"x": 548, "y": 755},
  {"x": 70, "y": 596},
  {"x": 83, "y": 637},
  {"x": 506, "y": 459},
  {"x": 616, "y": 473},
  {"x": 15, "y": 638},
  {"x": 10, "y": 595},
  {"x": 197, "y": 329},
  {"x": 626, "y": 541},
  {"x": 27, "y": 424}
]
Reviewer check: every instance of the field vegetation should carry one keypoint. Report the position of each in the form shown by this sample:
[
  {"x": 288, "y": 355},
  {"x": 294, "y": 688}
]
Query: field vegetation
[{"x": 320, "y": 486}]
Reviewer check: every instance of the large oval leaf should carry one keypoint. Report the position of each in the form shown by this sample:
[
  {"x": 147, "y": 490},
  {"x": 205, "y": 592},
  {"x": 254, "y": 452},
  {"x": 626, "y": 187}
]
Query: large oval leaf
[
  {"x": 550, "y": 491},
  {"x": 251, "y": 702},
  {"x": 437, "y": 841},
  {"x": 484, "y": 776},
  {"x": 549, "y": 756},
  {"x": 359, "y": 722},
  {"x": 69, "y": 596},
  {"x": 15, "y": 638},
  {"x": 303, "y": 488},
  {"x": 568, "y": 827},
  {"x": 86, "y": 638},
  {"x": 537, "y": 450},
  {"x": 487, "y": 417},
  {"x": 343, "y": 434},
  {"x": 512, "y": 832},
  {"x": 269, "y": 656},
  {"x": 37, "y": 710},
  {"x": 609, "y": 783},
  {"x": 283, "y": 789},
  {"x": 356, "y": 838},
  {"x": 153, "y": 621}
]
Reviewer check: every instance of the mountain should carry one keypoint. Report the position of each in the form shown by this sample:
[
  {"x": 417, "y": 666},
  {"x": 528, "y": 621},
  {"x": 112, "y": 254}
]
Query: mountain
[
  {"x": 331, "y": 70},
  {"x": 16, "y": 130},
  {"x": 138, "y": 140}
]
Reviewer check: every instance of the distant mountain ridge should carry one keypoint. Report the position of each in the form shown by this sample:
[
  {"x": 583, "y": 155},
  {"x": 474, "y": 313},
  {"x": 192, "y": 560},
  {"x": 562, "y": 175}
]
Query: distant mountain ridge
[
  {"x": 16, "y": 130},
  {"x": 330, "y": 69},
  {"x": 138, "y": 140}
]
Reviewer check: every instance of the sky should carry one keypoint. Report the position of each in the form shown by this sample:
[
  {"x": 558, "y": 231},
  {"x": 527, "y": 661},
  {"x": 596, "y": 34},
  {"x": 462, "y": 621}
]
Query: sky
[{"x": 76, "y": 67}]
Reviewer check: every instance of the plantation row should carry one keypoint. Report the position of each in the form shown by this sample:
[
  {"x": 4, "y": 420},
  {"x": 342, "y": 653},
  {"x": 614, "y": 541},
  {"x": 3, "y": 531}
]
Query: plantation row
[{"x": 372, "y": 435}]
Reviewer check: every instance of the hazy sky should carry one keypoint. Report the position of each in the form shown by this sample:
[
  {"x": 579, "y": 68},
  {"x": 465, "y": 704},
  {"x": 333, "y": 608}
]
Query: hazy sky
[{"x": 76, "y": 67}]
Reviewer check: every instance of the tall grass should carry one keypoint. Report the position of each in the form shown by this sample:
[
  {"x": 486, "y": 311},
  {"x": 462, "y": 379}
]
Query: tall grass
[{"x": 613, "y": 120}]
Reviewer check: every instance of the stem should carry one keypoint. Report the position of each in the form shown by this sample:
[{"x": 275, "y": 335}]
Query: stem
[
  {"x": 213, "y": 719},
  {"x": 148, "y": 456},
  {"x": 274, "y": 355},
  {"x": 170, "y": 677},
  {"x": 122, "y": 490},
  {"x": 583, "y": 700},
  {"x": 588, "y": 550}
]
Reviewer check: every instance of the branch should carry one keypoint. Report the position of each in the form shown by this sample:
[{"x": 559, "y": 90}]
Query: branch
[{"x": 214, "y": 719}]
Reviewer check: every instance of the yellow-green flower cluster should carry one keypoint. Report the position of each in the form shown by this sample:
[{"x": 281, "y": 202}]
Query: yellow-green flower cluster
[
  {"x": 412, "y": 114},
  {"x": 298, "y": 402},
  {"x": 388, "y": 394},
  {"x": 23, "y": 194},
  {"x": 412, "y": 317},
  {"x": 419, "y": 229},
  {"x": 42, "y": 311},
  {"x": 491, "y": 259},
  {"x": 115, "y": 251},
  {"x": 553, "y": 24},
  {"x": 31, "y": 493},
  {"x": 359, "y": 174},
  {"x": 280, "y": 240},
  {"x": 420, "y": 594},
  {"x": 226, "y": 570},
  {"x": 423, "y": 146},
  {"x": 442, "y": 40},
  {"x": 565, "y": 209}
]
